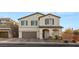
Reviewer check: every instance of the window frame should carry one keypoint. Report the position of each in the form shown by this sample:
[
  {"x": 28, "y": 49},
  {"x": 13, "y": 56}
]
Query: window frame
[
  {"x": 23, "y": 22},
  {"x": 47, "y": 22},
  {"x": 52, "y": 20},
  {"x": 26, "y": 23},
  {"x": 34, "y": 22}
]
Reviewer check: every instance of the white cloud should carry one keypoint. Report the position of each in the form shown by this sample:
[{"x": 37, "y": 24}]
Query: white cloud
[{"x": 39, "y": 5}]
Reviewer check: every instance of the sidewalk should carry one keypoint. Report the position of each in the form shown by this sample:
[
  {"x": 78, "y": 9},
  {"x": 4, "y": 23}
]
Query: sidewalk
[{"x": 15, "y": 42}]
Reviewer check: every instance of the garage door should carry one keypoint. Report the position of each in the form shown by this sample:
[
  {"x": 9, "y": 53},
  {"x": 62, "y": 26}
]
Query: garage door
[
  {"x": 29, "y": 34},
  {"x": 3, "y": 34}
]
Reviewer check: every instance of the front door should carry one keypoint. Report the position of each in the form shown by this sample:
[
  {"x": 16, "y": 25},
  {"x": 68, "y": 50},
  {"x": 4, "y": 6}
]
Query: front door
[{"x": 45, "y": 34}]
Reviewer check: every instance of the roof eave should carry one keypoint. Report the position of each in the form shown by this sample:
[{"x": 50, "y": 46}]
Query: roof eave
[
  {"x": 51, "y": 27},
  {"x": 30, "y": 15}
]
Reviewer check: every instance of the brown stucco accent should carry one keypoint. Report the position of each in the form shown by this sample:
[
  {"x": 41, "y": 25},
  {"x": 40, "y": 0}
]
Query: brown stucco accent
[
  {"x": 49, "y": 14},
  {"x": 31, "y": 15},
  {"x": 50, "y": 27}
]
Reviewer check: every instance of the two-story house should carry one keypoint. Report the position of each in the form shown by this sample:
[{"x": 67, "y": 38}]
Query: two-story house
[
  {"x": 39, "y": 25},
  {"x": 8, "y": 28}
]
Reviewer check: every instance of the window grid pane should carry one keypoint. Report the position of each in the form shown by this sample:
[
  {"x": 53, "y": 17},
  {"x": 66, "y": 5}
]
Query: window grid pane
[
  {"x": 26, "y": 22},
  {"x": 36, "y": 23},
  {"x": 46, "y": 21},
  {"x": 52, "y": 21},
  {"x": 33, "y": 23},
  {"x": 22, "y": 23},
  {"x": 49, "y": 21}
]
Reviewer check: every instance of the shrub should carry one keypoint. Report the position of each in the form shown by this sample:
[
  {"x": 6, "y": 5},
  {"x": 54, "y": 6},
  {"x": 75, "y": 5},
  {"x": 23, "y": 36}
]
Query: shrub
[
  {"x": 56, "y": 37},
  {"x": 50, "y": 38},
  {"x": 60, "y": 38},
  {"x": 68, "y": 31},
  {"x": 73, "y": 41},
  {"x": 66, "y": 41}
]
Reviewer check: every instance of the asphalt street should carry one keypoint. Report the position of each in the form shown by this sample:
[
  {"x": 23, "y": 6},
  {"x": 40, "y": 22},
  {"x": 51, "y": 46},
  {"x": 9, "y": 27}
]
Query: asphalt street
[{"x": 14, "y": 42}]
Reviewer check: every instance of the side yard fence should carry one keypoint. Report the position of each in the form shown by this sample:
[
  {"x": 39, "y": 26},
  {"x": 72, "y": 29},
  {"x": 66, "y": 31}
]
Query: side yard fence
[{"x": 70, "y": 36}]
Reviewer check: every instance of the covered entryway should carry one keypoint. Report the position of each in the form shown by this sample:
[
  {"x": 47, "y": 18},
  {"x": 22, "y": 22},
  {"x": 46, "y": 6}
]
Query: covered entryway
[
  {"x": 55, "y": 31},
  {"x": 45, "y": 33},
  {"x": 29, "y": 35}
]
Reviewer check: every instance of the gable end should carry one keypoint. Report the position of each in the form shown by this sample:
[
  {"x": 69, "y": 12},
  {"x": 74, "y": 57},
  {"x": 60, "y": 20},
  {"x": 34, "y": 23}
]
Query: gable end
[{"x": 31, "y": 15}]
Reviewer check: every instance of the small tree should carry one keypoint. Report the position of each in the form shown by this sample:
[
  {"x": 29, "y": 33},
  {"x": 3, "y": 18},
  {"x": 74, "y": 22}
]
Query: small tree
[
  {"x": 76, "y": 32},
  {"x": 68, "y": 31}
]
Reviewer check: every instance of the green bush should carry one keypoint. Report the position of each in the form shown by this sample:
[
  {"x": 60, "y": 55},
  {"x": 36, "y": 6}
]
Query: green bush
[{"x": 66, "y": 41}]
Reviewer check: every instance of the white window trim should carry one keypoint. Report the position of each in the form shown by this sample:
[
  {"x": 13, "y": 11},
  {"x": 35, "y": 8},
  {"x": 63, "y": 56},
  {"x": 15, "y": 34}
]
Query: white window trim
[
  {"x": 50, "y": 22},
  {"x": 24, "y": 23},
  {"x": 21, "y": 23},
  {"x": 34, "y": 24}
]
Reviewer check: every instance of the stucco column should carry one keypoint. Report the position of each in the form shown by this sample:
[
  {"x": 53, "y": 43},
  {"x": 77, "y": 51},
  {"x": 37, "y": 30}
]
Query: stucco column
[
  {"x": 60, "y": 32},
  {"x": 38, "y": 34},
  {"x": 20, "y": 34},
  {"x": 41, "y": 33},
  {"x": 50, "y": 32}
]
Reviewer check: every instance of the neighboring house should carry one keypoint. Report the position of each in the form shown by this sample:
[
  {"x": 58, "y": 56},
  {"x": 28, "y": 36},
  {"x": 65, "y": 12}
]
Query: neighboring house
[
  {"x": 40, "y": 26},
  {"x": 8, "y": 28}
]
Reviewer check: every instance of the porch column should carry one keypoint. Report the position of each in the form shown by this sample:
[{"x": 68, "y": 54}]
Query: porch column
[
  {"x": 38, "y": 34},
  {"x": 50, "y": 32},
  {"x": 60, "y": 32},
  {"x": 20, "y": 34},
  {"x": 41, "y": 34}
]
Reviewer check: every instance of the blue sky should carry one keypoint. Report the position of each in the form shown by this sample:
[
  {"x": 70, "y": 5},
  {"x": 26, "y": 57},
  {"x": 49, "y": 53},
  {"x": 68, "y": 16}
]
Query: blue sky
[{"x": 68, "y": 19}]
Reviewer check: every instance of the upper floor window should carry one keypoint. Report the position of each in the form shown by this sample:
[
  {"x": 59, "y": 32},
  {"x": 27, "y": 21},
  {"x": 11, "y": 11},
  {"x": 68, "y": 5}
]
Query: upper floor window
[
  {"x": 52, "y": 20},
  {"x": 49, "y": 21},
  {"x": 22, "y": 23},
  {"x": 46, "y": 21},
  {"x": 26, "y": 23},
  {"x": 34, "y": 23}
]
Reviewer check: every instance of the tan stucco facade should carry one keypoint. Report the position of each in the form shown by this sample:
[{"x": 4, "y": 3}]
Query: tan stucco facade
[
  {"x": 56, "y": 21},
  {"x": 41, "y": 22},
  {"x": 33, "y": 17},
  {"x": 40, "y": 32}
]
